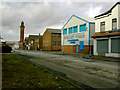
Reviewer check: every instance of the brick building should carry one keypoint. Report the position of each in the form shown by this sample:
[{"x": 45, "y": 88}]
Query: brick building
[
  {"x": 29, "y": 41},
  {"x": 76, "y": 34},
  {"x": 38, "y": 43},
  {"x": 52, "y": 40}
]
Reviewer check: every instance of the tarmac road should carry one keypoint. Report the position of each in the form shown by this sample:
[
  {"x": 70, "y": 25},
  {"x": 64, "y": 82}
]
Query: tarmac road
[{"x": 93, "y": 73}]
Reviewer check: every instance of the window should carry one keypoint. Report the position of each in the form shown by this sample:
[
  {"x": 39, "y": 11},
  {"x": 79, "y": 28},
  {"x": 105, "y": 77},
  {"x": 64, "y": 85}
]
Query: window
[
  {"x": 82, "y": 28},
  {"x": 70, "y": 30},
  {"x": 54, "y": 35},
  {"x": 65, "y": 31},
  {"x": 102, "y": 26},
  {"x": 114, "y": 23},
  {"x": 59, "y": 35},
  {"x": 59, "y": 42},
  {"x": 53, "y": 42},
  {"x": 75, "y": 29}
]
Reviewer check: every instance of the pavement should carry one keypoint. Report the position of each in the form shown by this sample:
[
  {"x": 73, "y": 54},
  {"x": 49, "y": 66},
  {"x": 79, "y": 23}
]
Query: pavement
[{"x": 91, "y": 72}]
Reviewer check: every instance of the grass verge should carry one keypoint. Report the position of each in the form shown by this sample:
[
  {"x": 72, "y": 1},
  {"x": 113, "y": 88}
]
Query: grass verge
[{"x": 19, "y": 73}]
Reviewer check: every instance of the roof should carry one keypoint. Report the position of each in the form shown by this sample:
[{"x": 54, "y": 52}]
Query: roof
[
  {"x": 109, "y": 11},
  {"x": 33, "y": 36},
  {"x": 86, "y": 19},
  {"x": 54, "y": 30}
]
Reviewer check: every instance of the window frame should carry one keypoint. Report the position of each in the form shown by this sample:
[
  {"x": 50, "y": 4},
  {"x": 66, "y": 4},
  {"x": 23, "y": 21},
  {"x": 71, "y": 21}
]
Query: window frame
[
  {"x": 102, "y": 24},
  {"x": 74, "y": 29},
  {"x": 64, "y": 33},
  {"x": 80, "y": 28},
  {"x": 114, "y": 20},
  {"x": 59, "y": 35},
  {"x": 53, "y": 43},
  {"x": 69, "y": 30},
  {"x": 59, "y": 42}
]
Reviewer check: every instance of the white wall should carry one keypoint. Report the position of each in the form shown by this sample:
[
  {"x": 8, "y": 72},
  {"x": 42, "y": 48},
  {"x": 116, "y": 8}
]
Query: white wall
[
  {"x": 119, "y": 16},
  {"x": 73, "y": 22},
  {"x": 108, "y": 20}
]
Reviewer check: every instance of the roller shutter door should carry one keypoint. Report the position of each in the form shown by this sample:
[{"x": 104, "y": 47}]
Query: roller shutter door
[
  {"x": 102, "y": 46},
  {"x": 115, "y": 45}
]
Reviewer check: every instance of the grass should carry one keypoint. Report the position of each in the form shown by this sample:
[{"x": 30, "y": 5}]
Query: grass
[{"x": 19, "y": 73}]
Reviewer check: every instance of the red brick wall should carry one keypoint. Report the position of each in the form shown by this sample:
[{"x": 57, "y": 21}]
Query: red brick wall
[
  {"x": 56, "y": 47},
  {"x": 72, "y": 49},
  {"x": 46, "y": 41},
  {"x": 21, "y": 34}
]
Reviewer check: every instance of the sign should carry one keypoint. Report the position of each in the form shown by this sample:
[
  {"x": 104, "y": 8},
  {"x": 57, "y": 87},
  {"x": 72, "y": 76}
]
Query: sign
[
  {"x": 74, "y": 36},
  {"x": 31, "y": 42}
]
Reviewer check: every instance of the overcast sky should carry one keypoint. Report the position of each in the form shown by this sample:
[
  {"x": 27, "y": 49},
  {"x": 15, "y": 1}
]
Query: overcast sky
[{"x": 38, "y": 16}]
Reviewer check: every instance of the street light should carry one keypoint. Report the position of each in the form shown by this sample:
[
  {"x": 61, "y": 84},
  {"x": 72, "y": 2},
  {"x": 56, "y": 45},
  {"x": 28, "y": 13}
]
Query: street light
[
  {"x": 63, "y": 38},
  {"x": 90, "y": 46}
]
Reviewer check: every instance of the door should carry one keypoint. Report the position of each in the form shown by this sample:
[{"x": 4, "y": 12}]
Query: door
[
  {"x": 81, "y": 45},
  {"x": 77, "y": 48},
  {"x": 102, "y": 46}
]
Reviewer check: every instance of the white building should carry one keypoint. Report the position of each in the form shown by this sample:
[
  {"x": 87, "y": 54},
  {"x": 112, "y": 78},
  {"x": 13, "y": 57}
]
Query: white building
[
  {"x": 75, "y": 34},
  {"x": 107, "y": 32}
]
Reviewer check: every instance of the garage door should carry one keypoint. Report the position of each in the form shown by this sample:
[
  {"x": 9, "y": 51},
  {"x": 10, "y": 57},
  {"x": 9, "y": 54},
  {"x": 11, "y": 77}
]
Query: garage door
[
  {"x": 115, "y": 45},
  {"x": 102, "y": 46}
]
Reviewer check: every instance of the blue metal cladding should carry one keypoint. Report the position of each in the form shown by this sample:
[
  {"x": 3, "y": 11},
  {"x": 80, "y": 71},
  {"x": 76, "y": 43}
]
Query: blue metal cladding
[
  {"x": 77, "y": 48},
  {"x": 64, "y": 31},
  {"x": 75, "y": 29},
  {"x": 81, "y": 45},
  {"x": 82, "y": 28},
  {"x": 70, "y": 30}
]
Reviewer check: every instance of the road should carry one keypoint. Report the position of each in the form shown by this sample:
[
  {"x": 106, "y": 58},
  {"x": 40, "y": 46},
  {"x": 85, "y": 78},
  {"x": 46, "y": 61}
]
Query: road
[{"x": 93, "y": 73}]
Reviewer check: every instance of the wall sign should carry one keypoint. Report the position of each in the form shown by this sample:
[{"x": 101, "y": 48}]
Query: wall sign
[{"x": 74, "y": 36}]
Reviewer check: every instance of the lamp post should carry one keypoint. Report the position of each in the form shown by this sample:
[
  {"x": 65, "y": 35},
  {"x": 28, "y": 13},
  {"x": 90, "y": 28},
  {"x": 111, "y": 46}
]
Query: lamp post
[
  {"x": 63, "y": 37},
  {"x": 39, "y": 41},
  {"x": 90, "y": 46}
]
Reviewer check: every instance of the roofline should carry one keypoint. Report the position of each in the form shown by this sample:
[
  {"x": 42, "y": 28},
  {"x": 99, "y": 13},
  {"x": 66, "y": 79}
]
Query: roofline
[
  {"x": 52, "y": 29},
  {"x": 109, "y": 11},
  {"x": 78, "y": 18}
]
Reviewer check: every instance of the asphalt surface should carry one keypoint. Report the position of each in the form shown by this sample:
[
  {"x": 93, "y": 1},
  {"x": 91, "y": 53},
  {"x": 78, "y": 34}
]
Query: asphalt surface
[{"x": 92, "y": 73}]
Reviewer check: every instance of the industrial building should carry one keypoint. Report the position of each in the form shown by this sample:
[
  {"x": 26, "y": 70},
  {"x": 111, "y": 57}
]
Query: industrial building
[
  {"x": 76, "y": 34},
  {"x": 107, "y": 33}
]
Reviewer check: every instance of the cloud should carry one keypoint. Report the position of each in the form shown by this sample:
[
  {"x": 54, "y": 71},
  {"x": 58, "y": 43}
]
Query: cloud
[{"x": 38, "y": 16}]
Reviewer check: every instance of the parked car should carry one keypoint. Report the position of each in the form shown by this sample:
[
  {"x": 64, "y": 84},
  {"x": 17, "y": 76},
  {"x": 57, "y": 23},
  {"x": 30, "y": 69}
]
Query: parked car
[{"x": 5, "y": 49}]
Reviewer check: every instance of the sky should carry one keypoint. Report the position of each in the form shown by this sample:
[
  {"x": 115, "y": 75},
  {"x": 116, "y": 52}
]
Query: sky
[{"x": 38, "y": 16}]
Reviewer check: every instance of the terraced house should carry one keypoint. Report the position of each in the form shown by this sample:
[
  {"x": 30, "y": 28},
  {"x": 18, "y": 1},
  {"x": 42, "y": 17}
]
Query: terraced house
[
  {"x": 107, "y": 32},
  {"x": 52, "y": 40},
  {"x": 76, "y": 34}
]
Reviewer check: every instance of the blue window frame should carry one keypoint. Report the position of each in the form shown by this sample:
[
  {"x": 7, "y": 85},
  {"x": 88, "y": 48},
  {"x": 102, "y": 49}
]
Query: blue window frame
[
  {"x": 81, "y": 45},
  {"x": 75, "y": 29},
  {"x": 65, "y": 31},
  {"x": 70, "y": 30},
  {"x": 82, "y": 27}
]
